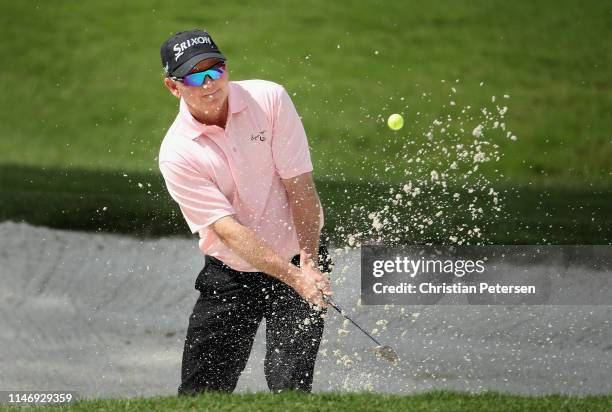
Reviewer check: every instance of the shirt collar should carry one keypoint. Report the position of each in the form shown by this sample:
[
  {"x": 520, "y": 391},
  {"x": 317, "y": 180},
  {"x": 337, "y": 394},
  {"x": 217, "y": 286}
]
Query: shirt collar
[
  {"x": 237, "y": 99},
  {"x": 194, "y": 129}
]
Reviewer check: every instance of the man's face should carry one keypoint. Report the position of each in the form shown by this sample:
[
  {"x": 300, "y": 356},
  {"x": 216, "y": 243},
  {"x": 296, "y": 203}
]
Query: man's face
[{"x": 210, "y": 97}]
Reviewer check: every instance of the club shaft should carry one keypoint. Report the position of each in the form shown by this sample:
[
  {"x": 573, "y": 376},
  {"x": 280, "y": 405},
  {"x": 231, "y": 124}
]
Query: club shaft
[{"x": 340, "y": 311}]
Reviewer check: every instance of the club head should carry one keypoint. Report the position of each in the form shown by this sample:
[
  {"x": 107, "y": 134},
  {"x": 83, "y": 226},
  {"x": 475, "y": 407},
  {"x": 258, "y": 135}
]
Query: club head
[{"x": 387, "y": 353}]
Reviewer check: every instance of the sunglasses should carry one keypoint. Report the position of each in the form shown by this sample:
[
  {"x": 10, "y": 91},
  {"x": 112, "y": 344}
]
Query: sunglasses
[{"x": 199, "y": 78}]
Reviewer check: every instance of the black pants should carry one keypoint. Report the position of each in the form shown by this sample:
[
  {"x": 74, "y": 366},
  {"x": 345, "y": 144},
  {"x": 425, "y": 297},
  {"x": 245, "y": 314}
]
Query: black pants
[{"x": 225, "y": 319}]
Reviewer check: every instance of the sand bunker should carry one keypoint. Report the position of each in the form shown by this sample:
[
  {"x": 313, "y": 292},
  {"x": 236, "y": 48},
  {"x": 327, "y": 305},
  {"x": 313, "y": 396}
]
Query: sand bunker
[{"x": 106, "y": 316}]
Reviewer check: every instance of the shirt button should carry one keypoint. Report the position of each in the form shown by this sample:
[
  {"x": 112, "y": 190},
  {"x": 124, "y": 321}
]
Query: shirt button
[{"x": 234, "y": 148}]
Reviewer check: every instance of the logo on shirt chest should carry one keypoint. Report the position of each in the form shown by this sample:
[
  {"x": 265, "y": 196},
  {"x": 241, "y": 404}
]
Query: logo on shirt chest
[{"x": 260, "y": 136}]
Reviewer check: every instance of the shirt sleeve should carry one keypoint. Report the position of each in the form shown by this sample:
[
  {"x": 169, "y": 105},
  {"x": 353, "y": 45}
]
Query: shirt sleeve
[
  {"x": 200, "y": 200},
  {"x": 289, "y": 142}
]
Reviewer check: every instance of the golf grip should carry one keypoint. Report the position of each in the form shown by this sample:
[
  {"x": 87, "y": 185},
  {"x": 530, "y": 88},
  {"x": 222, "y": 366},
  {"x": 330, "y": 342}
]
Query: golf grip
[{"x": 340, "y": 311}]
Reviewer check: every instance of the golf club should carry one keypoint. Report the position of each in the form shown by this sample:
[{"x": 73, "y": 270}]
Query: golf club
[{"x": 385, "y": 352}]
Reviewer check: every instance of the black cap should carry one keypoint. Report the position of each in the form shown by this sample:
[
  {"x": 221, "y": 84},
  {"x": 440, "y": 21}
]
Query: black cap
[{"x": 183, "y": 50}]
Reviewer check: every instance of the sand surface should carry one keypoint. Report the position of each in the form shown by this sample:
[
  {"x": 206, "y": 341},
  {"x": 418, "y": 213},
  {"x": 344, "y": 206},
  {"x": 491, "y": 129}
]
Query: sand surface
[{"x": 106, "y": 315}]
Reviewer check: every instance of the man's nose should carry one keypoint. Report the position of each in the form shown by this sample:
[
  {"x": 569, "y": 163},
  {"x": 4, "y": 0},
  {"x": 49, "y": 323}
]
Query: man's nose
[{"x": 208, "y": 81}]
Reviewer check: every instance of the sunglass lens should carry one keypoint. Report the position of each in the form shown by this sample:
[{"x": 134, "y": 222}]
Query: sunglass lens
[
  {"x": 194, "y": 79},
  {"x": 198, "y": 79}
]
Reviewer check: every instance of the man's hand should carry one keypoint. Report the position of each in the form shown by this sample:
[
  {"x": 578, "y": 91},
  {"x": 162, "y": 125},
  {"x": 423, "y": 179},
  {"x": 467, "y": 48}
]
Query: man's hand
[{"x": 311, "y": 283}]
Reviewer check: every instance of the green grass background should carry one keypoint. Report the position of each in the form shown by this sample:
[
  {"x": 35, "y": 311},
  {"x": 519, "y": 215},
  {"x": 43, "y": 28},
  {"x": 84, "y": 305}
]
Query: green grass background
[{"x": 83, "y": 103}]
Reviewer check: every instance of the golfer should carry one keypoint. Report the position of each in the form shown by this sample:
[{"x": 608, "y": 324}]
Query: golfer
[{"x": 236, "y": 160}]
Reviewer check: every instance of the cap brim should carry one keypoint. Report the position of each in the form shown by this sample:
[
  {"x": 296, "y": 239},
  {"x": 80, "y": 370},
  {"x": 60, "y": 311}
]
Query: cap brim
[{"x": 186, "y": 67}]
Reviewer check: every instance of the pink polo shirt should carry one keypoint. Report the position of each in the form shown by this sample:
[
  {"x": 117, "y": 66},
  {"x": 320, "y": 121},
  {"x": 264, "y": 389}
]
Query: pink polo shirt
[{"x": 213, "y": 172}]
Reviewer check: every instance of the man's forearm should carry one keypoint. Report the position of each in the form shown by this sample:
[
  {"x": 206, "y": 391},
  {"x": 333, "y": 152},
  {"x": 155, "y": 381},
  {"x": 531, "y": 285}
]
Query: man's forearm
[
  {"x": 255, "y": 251},
  {"x": 306, "y": 210},
  {"x": 306, "y": 280},
  {"x": 306, "y": 217}
]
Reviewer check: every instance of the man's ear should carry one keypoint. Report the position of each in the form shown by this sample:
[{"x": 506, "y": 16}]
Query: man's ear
[{"x": 170, "y": 85}]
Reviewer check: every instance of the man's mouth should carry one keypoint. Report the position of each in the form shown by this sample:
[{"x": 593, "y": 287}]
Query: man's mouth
[{"x": 210, "y": 94}]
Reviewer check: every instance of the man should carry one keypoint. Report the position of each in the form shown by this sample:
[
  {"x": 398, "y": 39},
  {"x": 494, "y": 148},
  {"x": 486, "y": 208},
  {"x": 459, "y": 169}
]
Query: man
[{"x": 236, "y": 161}]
